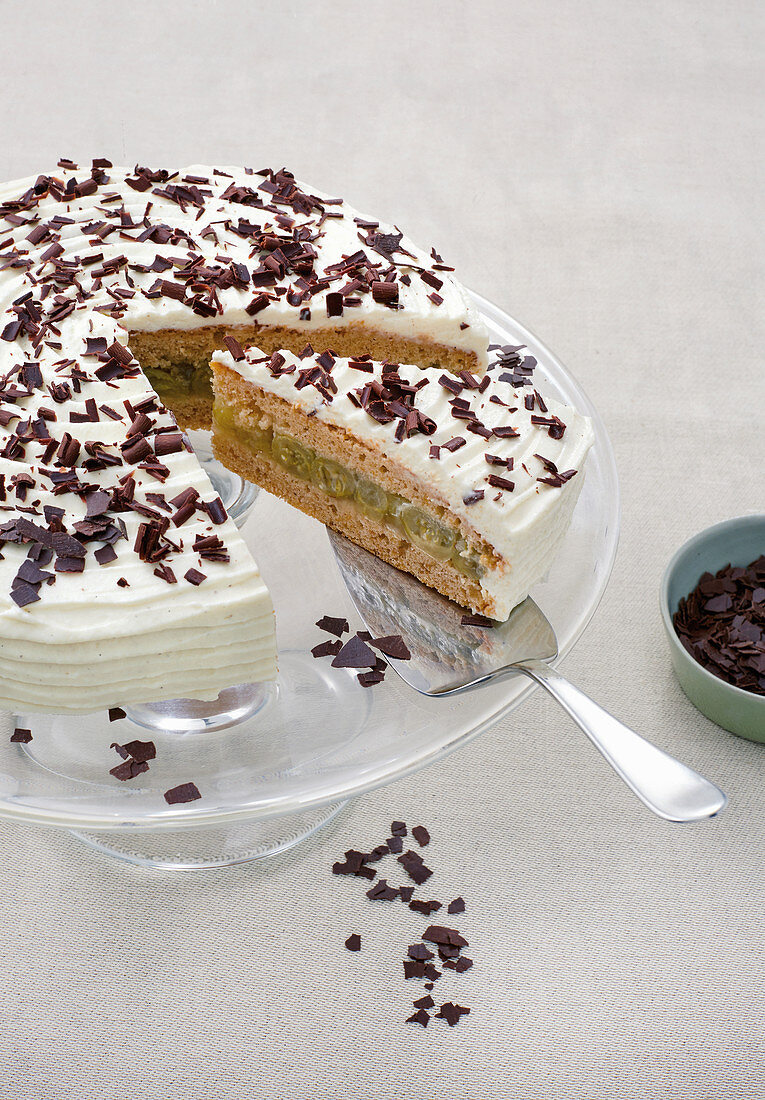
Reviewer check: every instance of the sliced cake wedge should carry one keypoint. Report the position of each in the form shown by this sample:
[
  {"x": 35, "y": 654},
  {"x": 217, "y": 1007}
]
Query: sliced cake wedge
[{"x": 468, "y": 483}]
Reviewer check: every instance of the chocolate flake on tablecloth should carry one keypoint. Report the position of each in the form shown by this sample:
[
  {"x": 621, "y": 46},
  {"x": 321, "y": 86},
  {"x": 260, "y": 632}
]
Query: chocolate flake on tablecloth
[
  {"x": 415, "y": 867},
  {"x": 722, "y": 624},
  {"x": 451, "y": 1013},
  {"x": 381, "y": 891},
  {"x": 419, "y": 962},
  {"x": 21, "y": 736},
  {"x": 419, "y": 1017},
  {"x": 425, "y": 907}
]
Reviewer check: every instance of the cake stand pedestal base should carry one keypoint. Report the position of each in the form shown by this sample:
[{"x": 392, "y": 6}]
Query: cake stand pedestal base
[
  {"x": 201, "y": 849},
  {"x": 243, "y": 741}
]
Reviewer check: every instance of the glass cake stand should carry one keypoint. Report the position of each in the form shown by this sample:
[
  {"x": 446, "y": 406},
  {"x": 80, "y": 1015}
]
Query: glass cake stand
[{"x": 273, "y": 762}]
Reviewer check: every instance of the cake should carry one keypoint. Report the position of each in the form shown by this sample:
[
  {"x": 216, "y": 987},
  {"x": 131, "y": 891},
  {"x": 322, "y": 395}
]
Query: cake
[
  {"x": 466, "y": 482},
  {"x": 121, "y": 577}
]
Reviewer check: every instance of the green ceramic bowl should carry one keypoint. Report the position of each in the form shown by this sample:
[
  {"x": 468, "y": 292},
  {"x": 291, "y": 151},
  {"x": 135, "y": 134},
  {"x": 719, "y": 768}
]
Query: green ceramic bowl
[{"x": 738, "y": 541}]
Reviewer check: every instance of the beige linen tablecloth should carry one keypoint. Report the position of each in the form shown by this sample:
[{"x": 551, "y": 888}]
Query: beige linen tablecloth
[{"x": 593, "y": 168}]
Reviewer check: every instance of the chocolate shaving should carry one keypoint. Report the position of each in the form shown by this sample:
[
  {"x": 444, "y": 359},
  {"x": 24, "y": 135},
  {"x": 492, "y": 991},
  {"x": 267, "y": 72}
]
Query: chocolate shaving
[
  {"x": 184, "y": 792},
  {"x": 354, "y": 654},
  {"x": 721, "y": 623},
  {"x": 392, "y": 646},
  {"x": 476, "y": 620},
  {"x": 236, "y": 349},
  {"x": 333, "y": 625},
  {"x": 451, "y": 1013},
  {"x": 129, "y": 769}
]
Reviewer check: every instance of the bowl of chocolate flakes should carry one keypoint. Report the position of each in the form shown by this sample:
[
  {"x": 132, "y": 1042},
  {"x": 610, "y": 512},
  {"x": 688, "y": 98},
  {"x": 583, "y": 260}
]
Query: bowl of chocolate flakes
[{"x": 713, "y": 607}]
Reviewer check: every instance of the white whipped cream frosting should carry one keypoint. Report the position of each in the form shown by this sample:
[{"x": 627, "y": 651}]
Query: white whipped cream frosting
[{"x": 454, "y": 322}]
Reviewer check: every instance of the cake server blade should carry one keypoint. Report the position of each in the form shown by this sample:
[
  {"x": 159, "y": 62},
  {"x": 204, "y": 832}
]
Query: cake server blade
[{"x": 448, "y": 657}]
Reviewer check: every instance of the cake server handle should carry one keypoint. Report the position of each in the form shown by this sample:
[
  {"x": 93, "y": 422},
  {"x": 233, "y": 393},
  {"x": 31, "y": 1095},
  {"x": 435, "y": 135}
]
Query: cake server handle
[{"x": 671, "y": 789}]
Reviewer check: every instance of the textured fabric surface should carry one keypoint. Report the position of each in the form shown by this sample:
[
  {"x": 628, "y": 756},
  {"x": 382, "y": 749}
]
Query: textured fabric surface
[{"x": 594, "y": 169}]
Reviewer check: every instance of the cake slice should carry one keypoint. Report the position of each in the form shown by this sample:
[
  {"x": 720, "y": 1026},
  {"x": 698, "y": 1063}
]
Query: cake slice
[{"x": 468, "y": 483}]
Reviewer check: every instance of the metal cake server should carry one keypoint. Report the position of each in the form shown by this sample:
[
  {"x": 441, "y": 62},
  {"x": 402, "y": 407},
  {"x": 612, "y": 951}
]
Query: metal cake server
[{"x": 448, "y": 657}]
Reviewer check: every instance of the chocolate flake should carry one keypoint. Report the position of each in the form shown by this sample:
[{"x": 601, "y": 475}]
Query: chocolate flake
[
  {"x": 419, "y": 1017},
  {"x": 425, "y": 907},
  {"x": 354, "y": 654},
  {"x": 141, "y": 751},
  {"x": 419, "y": 952},
  {"x": 449, "y": 937},
  {"x": 414, "y": 867},
  {"x": 476, "y": 620},
  {"x": 21, "y": 736},
  {"x": 451, "y": 1013},
  {"x": 721, "y": 623},
  {"x": 381, "y": 891},
  {"x": 129, "y": 769},
  {"x": 184, "y": 792},
  {"x": 355, "y": 865},
  {"x": 333, "y": 626},
  {"x": 392, "y": 646},
  {"x": 353, "y": 943}
]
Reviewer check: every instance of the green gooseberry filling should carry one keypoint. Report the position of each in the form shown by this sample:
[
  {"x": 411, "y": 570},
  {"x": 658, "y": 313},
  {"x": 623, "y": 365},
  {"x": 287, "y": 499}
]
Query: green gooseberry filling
[
  {"x": 181, "y": 380},
  {"x": 410, "y": 521}
]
